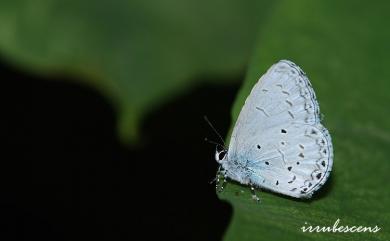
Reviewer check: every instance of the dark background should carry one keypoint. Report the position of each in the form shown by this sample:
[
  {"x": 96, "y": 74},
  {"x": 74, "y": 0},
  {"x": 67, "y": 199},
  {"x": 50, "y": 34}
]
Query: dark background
[{"x": 65, "y": 175}]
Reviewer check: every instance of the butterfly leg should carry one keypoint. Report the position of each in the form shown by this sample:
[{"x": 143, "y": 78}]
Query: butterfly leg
[
  {"x": 223, "y": 185},
  {"x": 224, "y": 181},
  {"x": 217, "y": 183},
  {"x": 217, "y": 179},
  {"x": 254, "y": 196}
]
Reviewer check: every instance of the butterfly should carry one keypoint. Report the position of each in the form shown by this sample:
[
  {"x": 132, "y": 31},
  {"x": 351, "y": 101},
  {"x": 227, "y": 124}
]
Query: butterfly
[{"x": 278, "y": 142}]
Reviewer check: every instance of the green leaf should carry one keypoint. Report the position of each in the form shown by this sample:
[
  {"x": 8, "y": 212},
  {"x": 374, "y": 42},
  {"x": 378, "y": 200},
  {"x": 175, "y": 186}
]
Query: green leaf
[
  {"x": 138, "y": 53},
  {"x": 343, "y": 46}
]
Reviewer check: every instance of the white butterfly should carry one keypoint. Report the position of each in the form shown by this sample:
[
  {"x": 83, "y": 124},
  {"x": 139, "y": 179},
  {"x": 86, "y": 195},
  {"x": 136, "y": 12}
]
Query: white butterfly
[{"x": 278, "y": 142}]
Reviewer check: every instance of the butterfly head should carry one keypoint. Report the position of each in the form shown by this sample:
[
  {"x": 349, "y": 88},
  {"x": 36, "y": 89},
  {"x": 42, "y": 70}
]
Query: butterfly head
[{"x": 220, "y": 155}]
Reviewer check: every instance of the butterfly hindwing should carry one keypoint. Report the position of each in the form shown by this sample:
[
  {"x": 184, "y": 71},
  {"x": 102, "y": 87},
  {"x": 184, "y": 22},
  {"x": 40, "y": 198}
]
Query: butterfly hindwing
[{"x": 295, "y": 162}]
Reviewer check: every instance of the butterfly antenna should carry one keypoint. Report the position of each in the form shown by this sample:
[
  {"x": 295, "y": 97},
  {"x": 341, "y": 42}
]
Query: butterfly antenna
[
  {"x": 215, "y": 130},
  {"x": 213, "y": 142}
]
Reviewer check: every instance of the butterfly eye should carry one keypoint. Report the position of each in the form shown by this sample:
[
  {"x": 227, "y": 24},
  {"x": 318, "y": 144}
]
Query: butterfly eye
[{"x": 220, "y": 155}]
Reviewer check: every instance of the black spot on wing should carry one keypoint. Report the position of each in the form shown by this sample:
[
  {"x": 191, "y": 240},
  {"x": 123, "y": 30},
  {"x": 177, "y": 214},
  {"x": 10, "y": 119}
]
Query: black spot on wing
[{"x": 318, "y": 175}]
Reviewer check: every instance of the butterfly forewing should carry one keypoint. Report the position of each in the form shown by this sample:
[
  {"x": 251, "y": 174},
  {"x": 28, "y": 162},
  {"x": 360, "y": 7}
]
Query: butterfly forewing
[{"x": 278, "y": 142}]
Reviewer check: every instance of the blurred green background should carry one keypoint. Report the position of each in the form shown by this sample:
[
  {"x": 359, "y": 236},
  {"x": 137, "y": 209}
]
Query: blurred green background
[
  {"x": 138, "y": 53},
  {"x": 141, "y": 54}
]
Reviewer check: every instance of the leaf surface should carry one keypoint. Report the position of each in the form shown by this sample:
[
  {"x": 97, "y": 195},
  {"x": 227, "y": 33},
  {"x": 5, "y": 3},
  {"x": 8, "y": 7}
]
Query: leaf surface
[{"x": 343, "y": 47}]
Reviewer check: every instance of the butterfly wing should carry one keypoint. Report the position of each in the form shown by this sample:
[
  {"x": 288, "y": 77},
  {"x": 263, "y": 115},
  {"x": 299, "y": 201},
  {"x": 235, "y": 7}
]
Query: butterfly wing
[{"x": 278, "y": 136}]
